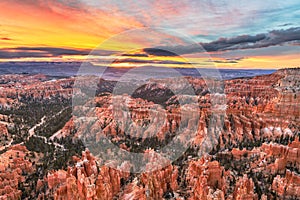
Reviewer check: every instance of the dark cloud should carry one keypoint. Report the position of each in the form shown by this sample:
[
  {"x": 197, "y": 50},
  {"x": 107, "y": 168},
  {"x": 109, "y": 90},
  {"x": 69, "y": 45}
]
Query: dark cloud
[
  {"x": 159, "y": 52},
  {"x": 225, "y": 61},
  {"x": 54, "y": 51},
  {"x": 100, "y": 52},
  {"x": 135, "y": 55},
  {"x": 233, "y": 43},
  {"x": 130, "y": 60},
  {"x": 236, "y": 59},
  {"x": 25, "y": 52},
  {"x": 287, "y": 24},
  {"x": 5, "y": 38},
  {"x": 4, "y": 54},
  {"x": 272, "y": 38}
]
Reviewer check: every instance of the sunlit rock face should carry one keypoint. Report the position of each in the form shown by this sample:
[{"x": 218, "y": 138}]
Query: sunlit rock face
[
  {"x": 242, "y": 141},
  {"x": 206, "y": 179},
  {"x": 3, "y": 129},
  {"x": 21, "y": 88},
  {"x": 85, "y": 180},
  {"x": 246, "y": 138},
  {"x": 160, "y": 182},
  {"x": 88, "y": 180},
  {"x": 288, "y": 186},
  {"x": 244, "y": 189},
  {"x": 13, "y": 169}
]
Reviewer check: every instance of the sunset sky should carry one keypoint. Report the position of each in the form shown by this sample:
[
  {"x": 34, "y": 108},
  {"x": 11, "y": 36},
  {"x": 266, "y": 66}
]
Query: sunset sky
[{"x": 247, "y": 34}]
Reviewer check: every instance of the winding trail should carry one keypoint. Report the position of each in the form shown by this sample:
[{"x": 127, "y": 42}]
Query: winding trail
[
  {"x": 31, "y": 131},
  {"x": 7, "y": 145}
]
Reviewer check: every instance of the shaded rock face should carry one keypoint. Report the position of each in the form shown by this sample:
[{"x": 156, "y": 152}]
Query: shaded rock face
[{"x": 13, "y": 168}]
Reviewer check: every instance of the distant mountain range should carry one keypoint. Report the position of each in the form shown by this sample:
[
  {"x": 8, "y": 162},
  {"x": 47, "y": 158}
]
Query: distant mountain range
[{"x": 67, "y": 69}]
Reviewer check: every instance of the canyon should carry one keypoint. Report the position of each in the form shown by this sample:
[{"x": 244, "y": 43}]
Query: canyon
[{"x": 232, "y": 139}]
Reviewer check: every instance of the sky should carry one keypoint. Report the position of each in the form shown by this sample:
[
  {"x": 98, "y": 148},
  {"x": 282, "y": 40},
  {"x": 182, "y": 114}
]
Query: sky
[{"x": 189, "y": 33}]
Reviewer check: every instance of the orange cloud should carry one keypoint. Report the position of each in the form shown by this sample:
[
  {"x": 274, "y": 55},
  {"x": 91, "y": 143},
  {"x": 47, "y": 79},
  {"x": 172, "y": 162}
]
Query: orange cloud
[
  {"x": 77, "y": 26},
  {"x": 260, "y": 62},
  {"x": 58, "y": 25}
]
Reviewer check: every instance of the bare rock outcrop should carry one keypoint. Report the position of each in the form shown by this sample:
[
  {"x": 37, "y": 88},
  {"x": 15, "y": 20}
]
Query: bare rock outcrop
[{"x": 13, "y": 167}]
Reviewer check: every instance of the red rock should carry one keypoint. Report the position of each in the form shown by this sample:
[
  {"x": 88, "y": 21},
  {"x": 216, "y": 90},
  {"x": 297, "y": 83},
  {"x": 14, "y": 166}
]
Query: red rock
[
  {"x": 244, "y": 190},
  {"x": 206, "y": 179},
  {"x": 12, "y": 164},
  {"x": 86, "y": 180},
  {"x": 156, "y": 183},
  {"x": 287, "y": 186}
]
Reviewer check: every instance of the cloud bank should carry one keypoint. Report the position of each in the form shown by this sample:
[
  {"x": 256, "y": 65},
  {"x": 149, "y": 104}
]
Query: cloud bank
[
  {"x": 272, "y": 38},
  {"x": 30, "y": 52}
]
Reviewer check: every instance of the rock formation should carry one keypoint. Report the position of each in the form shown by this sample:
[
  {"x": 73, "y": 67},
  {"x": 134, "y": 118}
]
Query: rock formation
[{"x": 13, "y": 169}]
